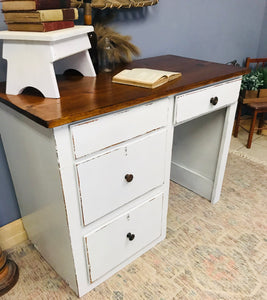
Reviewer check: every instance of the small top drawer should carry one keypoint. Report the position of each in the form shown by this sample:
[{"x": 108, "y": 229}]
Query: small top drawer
[
  {"x": 99, "y": 133},
  {"x": 203, "y": 101}
]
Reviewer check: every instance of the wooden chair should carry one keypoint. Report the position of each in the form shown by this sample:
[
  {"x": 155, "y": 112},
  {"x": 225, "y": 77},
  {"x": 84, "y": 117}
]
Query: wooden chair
[{"x": 255, "y": 105}]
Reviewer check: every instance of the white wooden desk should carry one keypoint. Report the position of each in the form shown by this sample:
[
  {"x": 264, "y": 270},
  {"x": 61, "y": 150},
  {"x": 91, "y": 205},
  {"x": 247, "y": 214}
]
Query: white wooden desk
[{"x": 91, "y": 170}]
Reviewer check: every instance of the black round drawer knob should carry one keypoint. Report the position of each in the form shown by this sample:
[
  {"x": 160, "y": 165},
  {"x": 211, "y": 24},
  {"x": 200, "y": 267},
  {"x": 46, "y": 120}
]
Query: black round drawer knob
[
  {"x": 129, "y": 177},
  {"x": 130, "y": 236},
  {"x": 214, "y": 100}
]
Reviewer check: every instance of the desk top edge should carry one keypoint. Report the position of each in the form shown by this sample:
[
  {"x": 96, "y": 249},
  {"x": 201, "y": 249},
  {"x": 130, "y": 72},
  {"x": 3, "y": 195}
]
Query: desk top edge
[{"x": 105, "y": 96}]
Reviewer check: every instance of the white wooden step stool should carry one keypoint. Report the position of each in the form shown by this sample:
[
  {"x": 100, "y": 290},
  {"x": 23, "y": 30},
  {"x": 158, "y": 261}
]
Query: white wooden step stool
[{"x": 31, "y": 55}]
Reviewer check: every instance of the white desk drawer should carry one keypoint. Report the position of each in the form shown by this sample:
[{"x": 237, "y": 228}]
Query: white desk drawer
[
  {"x": 117, "y": 241},
  {"x": 198, "y": 102},
  {"x": 105, "y": 131},
  {"x": 102, "y": 182}
]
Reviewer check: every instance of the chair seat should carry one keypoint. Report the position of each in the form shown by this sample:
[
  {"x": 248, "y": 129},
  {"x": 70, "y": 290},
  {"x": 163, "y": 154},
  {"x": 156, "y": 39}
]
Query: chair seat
[{"x": 258, "y": 105}]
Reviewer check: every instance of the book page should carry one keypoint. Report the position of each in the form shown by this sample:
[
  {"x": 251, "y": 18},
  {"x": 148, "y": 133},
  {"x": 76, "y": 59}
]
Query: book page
[
  {"x": 143, "y": 75},
  {"x": 138, "y": 75}
]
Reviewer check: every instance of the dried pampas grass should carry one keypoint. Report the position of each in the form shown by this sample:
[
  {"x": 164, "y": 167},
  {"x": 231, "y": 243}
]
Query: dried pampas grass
[{"x": 123, "y": 49}]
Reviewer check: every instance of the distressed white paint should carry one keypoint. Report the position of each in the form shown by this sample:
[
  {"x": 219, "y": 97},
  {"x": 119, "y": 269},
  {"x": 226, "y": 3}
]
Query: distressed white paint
[
  {"x": 201, "y": 143},
  {"x": 223, "y": 153},
  {"x": 195, "y": 152},
  {"x": 67, "y": 46},
  {"x": 159, "y": 135},
  {"x": 91, "y": 136},
  {"x": 110, "y": 245},
  {"x": 196, "y": 103},
  {"x": 59, "y": 162},
  {"x": 144, "y": 158},
  {"x": 31, "y": 154}
]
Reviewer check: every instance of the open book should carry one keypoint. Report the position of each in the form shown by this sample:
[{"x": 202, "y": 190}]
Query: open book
[{"x": 148, "y": 78}]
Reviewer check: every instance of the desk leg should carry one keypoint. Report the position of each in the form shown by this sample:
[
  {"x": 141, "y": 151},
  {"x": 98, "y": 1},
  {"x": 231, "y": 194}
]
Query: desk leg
[
  {"x": 200, "y": 149},
  {"x": 223, "y": 154}
]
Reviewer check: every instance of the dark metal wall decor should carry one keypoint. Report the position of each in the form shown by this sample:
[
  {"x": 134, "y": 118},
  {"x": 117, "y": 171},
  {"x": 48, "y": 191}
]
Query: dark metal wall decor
[
  {"x": 102, "y": 4},
  {"x": 122, "y": 3}
]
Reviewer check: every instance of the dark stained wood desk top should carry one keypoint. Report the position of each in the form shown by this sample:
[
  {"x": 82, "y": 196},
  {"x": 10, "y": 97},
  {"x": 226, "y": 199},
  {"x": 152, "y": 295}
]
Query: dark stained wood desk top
[{"x": 85, "y": 97}]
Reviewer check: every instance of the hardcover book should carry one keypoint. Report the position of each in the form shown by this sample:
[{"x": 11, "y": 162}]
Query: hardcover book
[
  {"x": 12, "y": 5},
  {"x": 66, "y": 14},
  {"x": 143, "y": 77},
  {"x": 40, "y": 27}
]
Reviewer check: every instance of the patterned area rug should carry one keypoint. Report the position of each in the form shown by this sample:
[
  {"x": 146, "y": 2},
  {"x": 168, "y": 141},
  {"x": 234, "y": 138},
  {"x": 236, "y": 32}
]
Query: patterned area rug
[{"x": 211, "y": 251}]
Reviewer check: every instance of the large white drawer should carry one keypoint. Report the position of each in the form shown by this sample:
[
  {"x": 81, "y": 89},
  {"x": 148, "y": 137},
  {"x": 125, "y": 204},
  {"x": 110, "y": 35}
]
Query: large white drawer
[
  {"x": 199, "y": 102},
  {"x": 117, "y": 241},
  {"x": 100, "y": 133},
  {"x": 103, "y": 179}
]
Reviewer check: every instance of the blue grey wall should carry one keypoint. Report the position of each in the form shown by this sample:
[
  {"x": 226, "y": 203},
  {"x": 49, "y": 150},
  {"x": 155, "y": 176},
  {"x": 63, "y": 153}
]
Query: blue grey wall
[
  {"x": 212, "y": 30},
  {"x": 2, "y": 61},
  {"x": 208, "y": 29},
  {"x": 262, "y": 52}
]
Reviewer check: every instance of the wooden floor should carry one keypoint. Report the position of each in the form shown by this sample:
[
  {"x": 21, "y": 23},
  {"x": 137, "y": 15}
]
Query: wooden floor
[{"x": 258, "y": 150}]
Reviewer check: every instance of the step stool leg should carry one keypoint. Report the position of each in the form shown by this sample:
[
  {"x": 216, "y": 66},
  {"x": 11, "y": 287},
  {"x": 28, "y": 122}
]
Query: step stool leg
[
  {"x": 80, "y": 62},
  {"x": 41, "y": 77},
  {"x": 30, "y": 64}
]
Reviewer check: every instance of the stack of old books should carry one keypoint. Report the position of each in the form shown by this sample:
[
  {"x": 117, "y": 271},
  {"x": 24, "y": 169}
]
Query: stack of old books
[{"x": 38, "y": 15}]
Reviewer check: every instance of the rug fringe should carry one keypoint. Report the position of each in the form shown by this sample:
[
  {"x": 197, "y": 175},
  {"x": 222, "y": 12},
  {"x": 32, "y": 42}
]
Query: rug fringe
[{"x": 252, "y": 159}]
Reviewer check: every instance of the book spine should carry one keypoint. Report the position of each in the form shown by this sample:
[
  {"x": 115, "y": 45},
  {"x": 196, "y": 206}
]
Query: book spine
[
  {"x": 40, "y": 27},
  {"x": 52, "y": 4},
  {"x": 18, "y": 5},
  {"x": 50, "y": 26},
  {"x": 34, "y": 5},
  {"x": 67, "y": 14}
]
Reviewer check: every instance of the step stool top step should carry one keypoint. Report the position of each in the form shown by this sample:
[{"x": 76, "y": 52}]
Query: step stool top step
[{"x": 46, "y": 36}]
